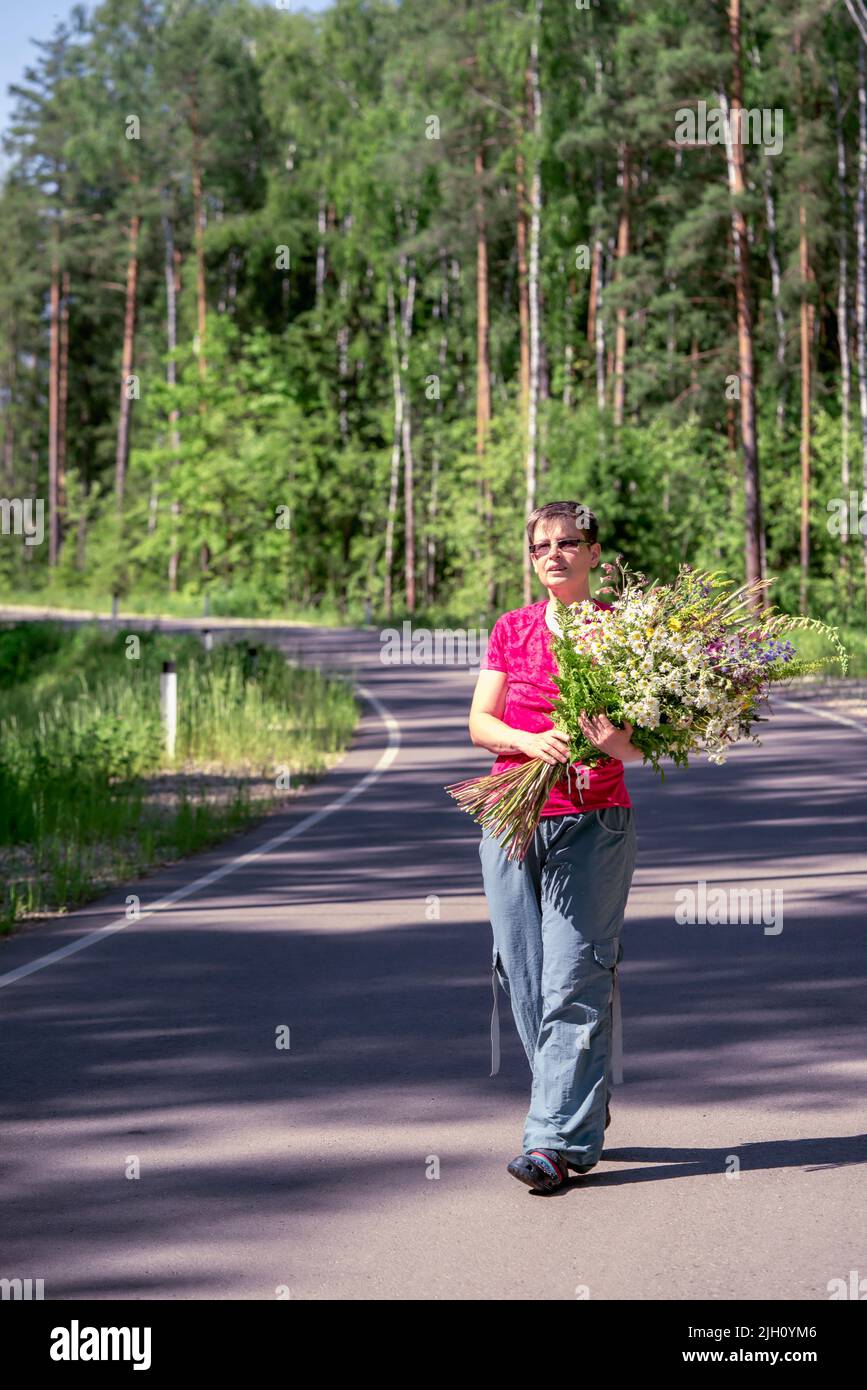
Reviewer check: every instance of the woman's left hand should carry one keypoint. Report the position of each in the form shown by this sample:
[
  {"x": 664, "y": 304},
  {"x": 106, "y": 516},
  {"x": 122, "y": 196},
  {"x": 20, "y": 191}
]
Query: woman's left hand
[{"x": 598, "y": 730}]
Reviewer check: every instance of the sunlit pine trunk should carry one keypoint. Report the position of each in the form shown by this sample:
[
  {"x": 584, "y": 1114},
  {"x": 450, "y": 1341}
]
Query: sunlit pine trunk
[
  {"x": 806, "y": 335},
  {"x": 533, "y": 288},
  {"x": 483, "y": 365},
  {"x": 861, "y": 276},
  {"x": 806, "y": 322},
  {"x": 595, "y": 321},
  {"x": 749, "y": 439},
  {"x": 622, "y": 253},
  {"x": 523, "y": 290},
  {"x": 843, "y": 339}
]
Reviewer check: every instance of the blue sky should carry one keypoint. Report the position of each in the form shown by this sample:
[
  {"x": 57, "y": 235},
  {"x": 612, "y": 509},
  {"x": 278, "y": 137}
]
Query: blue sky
[{"x": 36, "y": 19}]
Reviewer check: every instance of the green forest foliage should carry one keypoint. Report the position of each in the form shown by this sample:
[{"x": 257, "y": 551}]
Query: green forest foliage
[{"x": 336, "y": 155}]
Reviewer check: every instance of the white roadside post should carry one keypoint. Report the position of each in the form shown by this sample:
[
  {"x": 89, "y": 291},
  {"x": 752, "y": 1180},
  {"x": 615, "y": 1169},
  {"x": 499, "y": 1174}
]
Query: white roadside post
[
  {"x": 208, "y": 637},
  {"x": 169, "y": 704}
]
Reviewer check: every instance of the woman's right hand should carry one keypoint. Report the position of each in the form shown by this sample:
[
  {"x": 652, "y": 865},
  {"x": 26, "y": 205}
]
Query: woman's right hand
[{"x": 551, "y": 745}]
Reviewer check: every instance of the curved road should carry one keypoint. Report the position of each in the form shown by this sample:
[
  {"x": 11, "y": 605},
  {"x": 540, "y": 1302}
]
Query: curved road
[{"x": 367, "y": 1159}]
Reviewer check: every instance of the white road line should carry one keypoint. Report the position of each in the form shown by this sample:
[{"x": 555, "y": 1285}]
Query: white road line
[
  {"x": 387, "y": 758},
  {"x": 824, "y": 714}
]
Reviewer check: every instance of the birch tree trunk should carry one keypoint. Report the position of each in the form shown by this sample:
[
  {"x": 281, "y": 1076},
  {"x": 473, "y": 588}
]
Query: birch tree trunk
[
  {"x": 408, "y": 283},
  {"x": 8, "y": 416},
  {"x": 320, "y": 253},
  {"x": 343, "y": 349},
  {"x": 53, "y": 397},
  {"x": 457, "y": 280},
  {"x": 595, "y": 266},
  {"x": 409, "y": 503},
  {"x": 433, "y": 502},
  {"x": 395, "y": 447},
  {"x": 62, "y": 402},
  {"x": 199, "y": 237},
  {"x": 126, "y": 361},
  {"x": 608, "y": 278},
  {"x": 599, "y": 326},
  {"x": 568, "y": 350}
]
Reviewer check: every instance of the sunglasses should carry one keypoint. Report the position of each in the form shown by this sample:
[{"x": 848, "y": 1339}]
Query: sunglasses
[{"x": 570, "y": 544}]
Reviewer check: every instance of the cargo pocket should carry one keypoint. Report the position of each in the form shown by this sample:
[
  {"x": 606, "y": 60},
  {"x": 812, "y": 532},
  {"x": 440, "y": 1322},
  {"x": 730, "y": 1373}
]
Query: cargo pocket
[
  {"x": 497, "y": 967},
  {"x": 608, "y": 954},
  {"x": 497, "y": 973}
]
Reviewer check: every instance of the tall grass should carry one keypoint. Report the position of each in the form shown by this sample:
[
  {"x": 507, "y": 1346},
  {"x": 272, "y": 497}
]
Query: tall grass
[{"x": 81, "y": 740}]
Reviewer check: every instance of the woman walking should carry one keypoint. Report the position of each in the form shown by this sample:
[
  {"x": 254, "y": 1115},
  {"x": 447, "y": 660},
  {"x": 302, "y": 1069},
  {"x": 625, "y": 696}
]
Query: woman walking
[{"x": 557, "y": 915}]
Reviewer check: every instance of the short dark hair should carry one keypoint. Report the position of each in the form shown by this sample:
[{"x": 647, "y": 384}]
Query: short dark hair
[{"x": 585, "y": 520}]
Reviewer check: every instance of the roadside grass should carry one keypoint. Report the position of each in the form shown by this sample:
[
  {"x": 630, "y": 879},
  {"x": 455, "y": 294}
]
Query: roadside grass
[
  {"x": 812, "y": 646},
  {"x": 241, "y": 601},
  {"x": 88, "y": 795}
]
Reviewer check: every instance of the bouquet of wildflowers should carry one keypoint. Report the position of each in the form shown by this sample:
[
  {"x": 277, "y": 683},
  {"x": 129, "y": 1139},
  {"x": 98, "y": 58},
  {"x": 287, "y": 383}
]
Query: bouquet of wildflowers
[{"x": 689, "y": 664}]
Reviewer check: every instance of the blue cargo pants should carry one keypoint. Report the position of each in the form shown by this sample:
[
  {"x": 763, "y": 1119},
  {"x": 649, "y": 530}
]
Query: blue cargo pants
[{"x": 557, "y": 917}]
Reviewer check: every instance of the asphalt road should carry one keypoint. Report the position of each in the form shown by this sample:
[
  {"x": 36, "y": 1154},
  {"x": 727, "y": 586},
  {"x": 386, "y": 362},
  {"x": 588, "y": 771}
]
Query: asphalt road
[{"x": 367, "y": 1160}]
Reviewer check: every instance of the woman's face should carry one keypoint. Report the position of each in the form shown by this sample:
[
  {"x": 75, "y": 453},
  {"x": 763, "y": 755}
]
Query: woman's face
[{"x": 564, "y": 572}]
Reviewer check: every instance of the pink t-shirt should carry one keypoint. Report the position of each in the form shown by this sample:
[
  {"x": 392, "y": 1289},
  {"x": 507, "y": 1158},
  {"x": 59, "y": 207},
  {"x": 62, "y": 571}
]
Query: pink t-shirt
[{"x": 520, "y": 645}]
